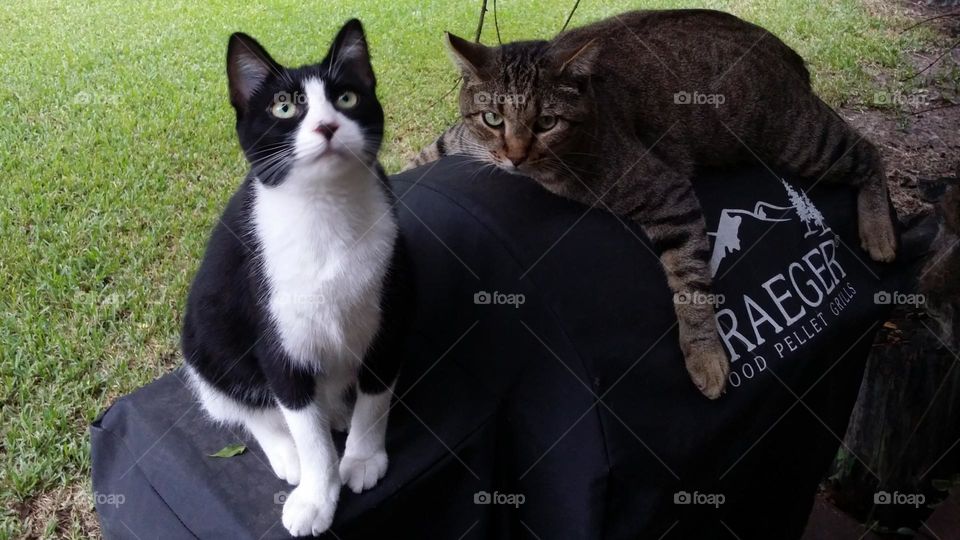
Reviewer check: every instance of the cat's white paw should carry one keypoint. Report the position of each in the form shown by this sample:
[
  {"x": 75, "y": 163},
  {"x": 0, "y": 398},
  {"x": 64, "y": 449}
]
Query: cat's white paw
[
  {"x": 363, "y": 472},
  {"x": 309, "y": 513},
  {"x": 284, "y": 461}
]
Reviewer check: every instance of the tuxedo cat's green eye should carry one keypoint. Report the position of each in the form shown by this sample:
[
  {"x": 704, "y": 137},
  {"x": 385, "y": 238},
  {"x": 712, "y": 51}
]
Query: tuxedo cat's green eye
[
  {"x": 284, "y": 110},
  {"x": 546, "y": 122},
  {"x": 492, "y": 119},
  {"x": 347, "y": 100}
]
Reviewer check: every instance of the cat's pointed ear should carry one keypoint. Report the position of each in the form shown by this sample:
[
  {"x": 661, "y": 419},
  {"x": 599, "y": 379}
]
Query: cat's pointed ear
[
  {"x": 350, "y": 52},
  {"x": 473, "y": 59},
  {"x": 248, "y": 66},
  {"x": 576, "y": 61}
]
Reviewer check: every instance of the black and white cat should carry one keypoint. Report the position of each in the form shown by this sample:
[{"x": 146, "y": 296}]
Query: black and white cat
[{"x": 283, "y": 320}]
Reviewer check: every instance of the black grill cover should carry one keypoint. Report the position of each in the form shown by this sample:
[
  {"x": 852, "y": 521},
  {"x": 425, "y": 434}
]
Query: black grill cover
[{"x": 544, "y": 394}]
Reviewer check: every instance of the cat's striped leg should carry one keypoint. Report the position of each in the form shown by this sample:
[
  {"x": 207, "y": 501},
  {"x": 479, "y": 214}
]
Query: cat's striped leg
[
  {"x": 823, "y": 145},
  {"x": 449, "y": 142},
  {"x": 673, "y": 220}
]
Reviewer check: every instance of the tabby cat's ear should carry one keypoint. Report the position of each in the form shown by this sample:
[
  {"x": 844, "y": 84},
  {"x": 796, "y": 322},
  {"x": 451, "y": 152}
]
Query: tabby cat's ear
[
  {"x": 350, "y": 53},
  {"x": 472, "y": 58},
  {"x": 248, "y": 66},
  {"x": 578, "y": 61}
]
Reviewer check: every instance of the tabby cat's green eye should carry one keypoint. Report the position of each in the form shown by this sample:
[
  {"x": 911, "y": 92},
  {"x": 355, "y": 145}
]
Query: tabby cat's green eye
[
  {"x": 546, "y": 122},
  {"x": 347, "y": 100},
  {"x": 492, "y": 119},
  {"x": 284, "y": 110}
]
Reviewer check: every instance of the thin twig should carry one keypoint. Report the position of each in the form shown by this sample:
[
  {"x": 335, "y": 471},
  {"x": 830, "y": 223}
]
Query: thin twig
[
  {"x": 925, "y": 21},
  {"x": 483, "y": 11},
  {"x": 456, "y": 84},
  {"x": 496, "y": 23},
  {"x": 570, "y": 16},
  {"x": 935, "y": 60},
  {"x": 935, "y": 109}
]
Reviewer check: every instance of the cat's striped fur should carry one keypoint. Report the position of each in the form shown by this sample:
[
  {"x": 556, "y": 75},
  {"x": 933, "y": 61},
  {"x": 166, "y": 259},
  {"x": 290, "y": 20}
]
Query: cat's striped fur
[{"x": 609, "y": 115}]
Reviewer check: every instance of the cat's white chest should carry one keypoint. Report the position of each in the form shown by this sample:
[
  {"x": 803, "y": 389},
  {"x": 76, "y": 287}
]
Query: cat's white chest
[{"x": 323, "y": 254}]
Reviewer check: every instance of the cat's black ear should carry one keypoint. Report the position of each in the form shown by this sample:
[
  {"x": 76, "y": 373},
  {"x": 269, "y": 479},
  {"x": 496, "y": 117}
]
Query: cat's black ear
[
  {"x": 350, "y": 51},
  {"x": 248, "y": 65},
  {"x": 473, "y": 59},
  {"x": 577, "y": 61}
]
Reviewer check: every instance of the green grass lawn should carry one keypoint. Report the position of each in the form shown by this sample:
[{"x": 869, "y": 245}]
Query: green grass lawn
[{"x": 117, "y": 152}]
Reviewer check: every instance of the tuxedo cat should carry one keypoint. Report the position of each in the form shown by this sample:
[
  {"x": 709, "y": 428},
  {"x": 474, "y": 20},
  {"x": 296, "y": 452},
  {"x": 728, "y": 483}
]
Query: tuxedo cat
[{"x": 283, "y": 321}]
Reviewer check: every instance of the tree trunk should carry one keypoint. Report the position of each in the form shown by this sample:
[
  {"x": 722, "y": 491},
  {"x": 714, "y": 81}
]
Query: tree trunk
[{"x": 903, "y": 442}]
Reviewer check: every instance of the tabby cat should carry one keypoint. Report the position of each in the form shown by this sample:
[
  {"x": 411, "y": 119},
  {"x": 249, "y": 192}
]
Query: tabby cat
[{"x": 622, "y": 113}]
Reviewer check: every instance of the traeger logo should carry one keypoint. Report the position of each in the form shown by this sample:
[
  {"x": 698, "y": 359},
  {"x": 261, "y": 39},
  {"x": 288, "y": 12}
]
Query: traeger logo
[{"x": 793, "y": 305}]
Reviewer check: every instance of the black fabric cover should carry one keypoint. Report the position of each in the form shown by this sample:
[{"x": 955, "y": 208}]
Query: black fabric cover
[{"x": 574, "y": 403}]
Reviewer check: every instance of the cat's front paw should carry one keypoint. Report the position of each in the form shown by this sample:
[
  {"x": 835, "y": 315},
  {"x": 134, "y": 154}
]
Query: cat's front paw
[
  {"x": 878, "y": 238},
  {"x": 310, "y": 512},
  {"x": 362, "y": 472},
  {"x": 709, "y": 369}
]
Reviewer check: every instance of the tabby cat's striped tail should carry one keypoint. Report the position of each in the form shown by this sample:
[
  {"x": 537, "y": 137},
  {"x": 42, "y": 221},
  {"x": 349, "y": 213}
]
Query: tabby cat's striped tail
[{"x": 449, "y": 142}]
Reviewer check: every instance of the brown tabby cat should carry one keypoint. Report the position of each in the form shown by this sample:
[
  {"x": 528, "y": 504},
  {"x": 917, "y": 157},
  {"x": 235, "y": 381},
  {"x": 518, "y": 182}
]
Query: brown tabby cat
[{"x": 622, "y": 113}]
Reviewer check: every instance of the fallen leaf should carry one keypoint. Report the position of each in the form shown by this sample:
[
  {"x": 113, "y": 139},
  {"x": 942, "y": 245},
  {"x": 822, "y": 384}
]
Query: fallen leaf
[{"x": 230, "y": 451}]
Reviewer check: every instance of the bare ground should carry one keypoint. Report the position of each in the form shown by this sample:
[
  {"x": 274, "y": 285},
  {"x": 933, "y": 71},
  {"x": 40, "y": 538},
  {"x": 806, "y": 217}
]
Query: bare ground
[
  {"x": 917, "y": 127},
  {"x": 917, "y": 130}
]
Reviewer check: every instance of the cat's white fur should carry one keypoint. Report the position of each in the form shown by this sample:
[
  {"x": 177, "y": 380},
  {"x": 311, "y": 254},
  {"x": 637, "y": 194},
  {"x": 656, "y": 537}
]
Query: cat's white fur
[{"x": 325, "y": 234}]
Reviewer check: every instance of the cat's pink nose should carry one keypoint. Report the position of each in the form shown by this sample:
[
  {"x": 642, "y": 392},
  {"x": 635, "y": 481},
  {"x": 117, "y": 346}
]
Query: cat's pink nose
[{"x": 327, "y": 130}]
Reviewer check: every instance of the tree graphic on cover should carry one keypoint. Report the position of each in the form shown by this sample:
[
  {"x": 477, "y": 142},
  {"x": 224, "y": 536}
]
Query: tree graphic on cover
[
  {"x": 726, "y": 239},
  {"x": 808, "y": 213}
]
